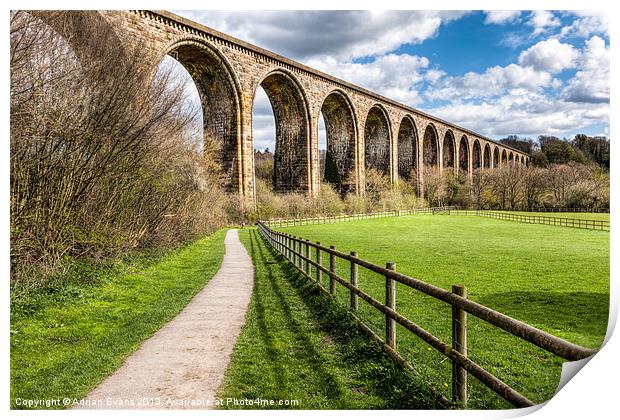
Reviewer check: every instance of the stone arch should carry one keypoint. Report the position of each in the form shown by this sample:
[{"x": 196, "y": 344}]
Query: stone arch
[
  {"x": 430, "y": 147},
  {"x": 496, "y": 157},
  {"x": 218, "y": 89},
  {"x": 464, "y": 155},
  {"x": 407, "y": 149},
  {"x": 476, "y": 155},
  {"x": 486, "y": 156},
  {"x": 511, "y": 158},
  {"x": 504, "y": 157},
  {"x": 377, "y": 138},
  {"x": 90, "y": 35},
  {"x": 341, "y": 129},
  {"x": 291, "y": 163},
  {"x": 448, "y": 150},
  {"x": 522, "y": 160}
]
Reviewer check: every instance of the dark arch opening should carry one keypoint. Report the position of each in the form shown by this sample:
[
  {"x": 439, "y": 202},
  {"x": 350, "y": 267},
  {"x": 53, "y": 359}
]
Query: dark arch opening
[
  {"x": 220, "y": 108},
  {"x": 476, "y": 156},
  {"x": 448, "y": 150},
  {"x": 464, "y": 155},
  {"x": 340, "y": 137},
  {"x": 430, "y": 150},
  {"x": 522, "y": 160},
  {"x": 496, "y": 157},
  {"x": 486, "y": 158},
  {"x": 407, "y": 150},
  {"x": 377, "y": 141},
  {"x": 511, "y": 158},
  {"x": 291, "y": 157},
  {"x": 504, "y": 157}
]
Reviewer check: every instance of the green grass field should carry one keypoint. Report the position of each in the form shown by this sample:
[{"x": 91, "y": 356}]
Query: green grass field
[
  {"x": 554, "y": 278},
  {"x": 65, "y": 341},
  {"x": 296, "y": 345}
]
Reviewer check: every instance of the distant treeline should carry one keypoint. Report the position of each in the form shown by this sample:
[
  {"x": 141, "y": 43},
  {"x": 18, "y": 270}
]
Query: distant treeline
[{"x": 548, "y": 150}]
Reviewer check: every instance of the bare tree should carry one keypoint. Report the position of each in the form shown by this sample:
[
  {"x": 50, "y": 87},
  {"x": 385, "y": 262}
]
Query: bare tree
[{"x": 101, "y": 156}]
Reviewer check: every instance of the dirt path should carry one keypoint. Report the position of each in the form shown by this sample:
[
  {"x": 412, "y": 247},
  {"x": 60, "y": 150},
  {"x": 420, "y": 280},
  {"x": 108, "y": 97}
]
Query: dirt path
[{"x": 183, "y": 364}]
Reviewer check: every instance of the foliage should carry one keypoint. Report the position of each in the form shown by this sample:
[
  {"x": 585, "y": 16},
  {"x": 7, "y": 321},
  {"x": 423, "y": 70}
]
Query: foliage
[{"x": 102, "y": 162}]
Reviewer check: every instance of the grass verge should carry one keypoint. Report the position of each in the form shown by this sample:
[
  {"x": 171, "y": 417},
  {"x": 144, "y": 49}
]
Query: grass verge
[
  {"x": 66, "y": 340},
  {"x": 300, "y": 345}
]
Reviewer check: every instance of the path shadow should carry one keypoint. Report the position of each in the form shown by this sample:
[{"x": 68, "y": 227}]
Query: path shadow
[
  {"x": 330, "y": 386},
  {"x": 368, "y": 364},
  {"x": 273, "y": 354}
]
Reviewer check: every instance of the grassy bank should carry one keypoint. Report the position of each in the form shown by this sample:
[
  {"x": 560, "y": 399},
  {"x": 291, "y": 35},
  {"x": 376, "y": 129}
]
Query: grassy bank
[
  {"x": 556, "y": 279},
  {"x": 298, "y": 345},
  {"x": 66, "y": 340}
]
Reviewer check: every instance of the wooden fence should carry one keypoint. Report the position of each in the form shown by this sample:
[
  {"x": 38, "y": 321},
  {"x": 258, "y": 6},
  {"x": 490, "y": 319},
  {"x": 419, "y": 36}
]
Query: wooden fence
[
  {"x": 349, "y": 217},
  {"x": 568, "y": 210},
  {"x": 546, "y": 220},
  {"x": 304, "y": 254}
]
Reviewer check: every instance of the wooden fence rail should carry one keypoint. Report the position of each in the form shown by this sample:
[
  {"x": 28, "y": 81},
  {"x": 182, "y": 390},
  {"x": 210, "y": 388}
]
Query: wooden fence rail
[
  {"x": 348, "y": 217},
  {"x": 495, "y": 214},
  {"x": 547, "y": 220},
  {"x": 291, "y": 248}
]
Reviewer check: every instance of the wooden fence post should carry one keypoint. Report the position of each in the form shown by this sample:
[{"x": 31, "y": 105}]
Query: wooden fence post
[
  {"x": 459, "y": 343},
  {"x": 332, "y": 272},
  {"x": 307, "y": 259},
  {"x": 354, "y": 305},
  {"x": 319, "y": 273},
  {"x": 390, "y": 302},
  {"x": 287, "y": 244}
]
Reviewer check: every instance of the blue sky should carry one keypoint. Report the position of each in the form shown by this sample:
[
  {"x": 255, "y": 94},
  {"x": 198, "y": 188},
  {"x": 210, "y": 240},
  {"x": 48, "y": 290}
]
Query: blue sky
[{"x": 497, "y": 73}]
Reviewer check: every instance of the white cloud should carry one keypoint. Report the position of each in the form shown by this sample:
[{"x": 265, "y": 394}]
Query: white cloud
[
  {"x": 542, "y": 20},
  {"x": 500, "y": 17},
  {"x": 495, "y": 81},
  {"x": 591, "y": 82},
  {"x": 523, "y": 112},
  {"x": 550, "y": 55},
  {"x": 392, "y": 75},
  {"x": 586, "y": 24},
  {"x": 343, "y": 35}
]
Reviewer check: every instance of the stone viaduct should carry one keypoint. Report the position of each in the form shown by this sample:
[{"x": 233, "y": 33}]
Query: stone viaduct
[{"x": 364, "y": 129}]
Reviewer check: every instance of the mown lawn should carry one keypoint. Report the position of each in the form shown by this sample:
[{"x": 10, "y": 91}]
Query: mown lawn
[
  {"x": 554, "y": 278},
  {"x": 297, "y": 345},
  {"x": 65, "y": 341}
]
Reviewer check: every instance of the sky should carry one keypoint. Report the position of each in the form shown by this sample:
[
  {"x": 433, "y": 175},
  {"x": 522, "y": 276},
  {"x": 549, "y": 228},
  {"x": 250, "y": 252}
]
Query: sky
[{"x": 498, "y": 73}]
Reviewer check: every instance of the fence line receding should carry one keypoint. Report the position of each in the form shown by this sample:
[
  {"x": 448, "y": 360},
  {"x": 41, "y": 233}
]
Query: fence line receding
[{"x": 306, "y": 257}]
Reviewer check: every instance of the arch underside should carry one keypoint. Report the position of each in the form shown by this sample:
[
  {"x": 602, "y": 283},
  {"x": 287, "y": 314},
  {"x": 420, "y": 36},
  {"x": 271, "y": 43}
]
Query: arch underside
[
  {"x": 340, "y": 133},
  {"x": 430, "y": 150},
  {"x": 407, "y": 150},
  {"x": 377, "y": 141},
  {"x": 486, "y": 158},
  {"x": 463, "y": 155},
  {"x": 476, "y": 158},
  {"x": 219, "y": 106},
  {"x": 448, "y": 151},
  {"x": 290, "y": 170},
  {"x": 496, "y": 157}
]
